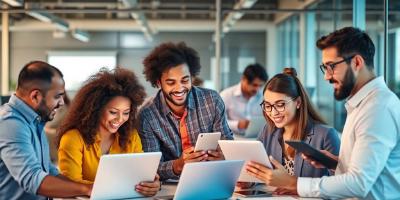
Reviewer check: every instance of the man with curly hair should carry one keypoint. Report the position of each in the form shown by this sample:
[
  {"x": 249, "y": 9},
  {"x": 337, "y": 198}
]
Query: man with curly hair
[
  {"x": 25, "y": 168},
  {"x": 173, "y": 119}
]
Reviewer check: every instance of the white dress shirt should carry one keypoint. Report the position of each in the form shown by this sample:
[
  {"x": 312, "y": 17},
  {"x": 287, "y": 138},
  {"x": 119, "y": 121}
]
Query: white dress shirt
[
  {"x": 238, "y": 107},
  {"x": 369, "y": 158}
]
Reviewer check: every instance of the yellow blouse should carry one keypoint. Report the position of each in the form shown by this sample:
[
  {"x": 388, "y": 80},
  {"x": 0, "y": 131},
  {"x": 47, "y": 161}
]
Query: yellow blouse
[{"x": 79, "y": 162}]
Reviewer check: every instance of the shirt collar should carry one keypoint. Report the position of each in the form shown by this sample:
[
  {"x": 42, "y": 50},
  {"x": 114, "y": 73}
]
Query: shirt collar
[
  {"x": 24, "y": 109},
  {"x": 97, "y": 138},
  {"x": 356, "y": 99},
  {"x": 114, "y": 148},
  {"x": 309, "y": 129},
  {"x": 237, "y": 90},
  {"x": 164, "y": 106}
]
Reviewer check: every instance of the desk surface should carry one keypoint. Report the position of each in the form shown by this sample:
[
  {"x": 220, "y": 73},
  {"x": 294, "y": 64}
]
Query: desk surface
[{"x": 169, "y": 190}]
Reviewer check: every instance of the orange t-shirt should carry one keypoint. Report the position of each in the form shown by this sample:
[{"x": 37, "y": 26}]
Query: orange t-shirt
[{"x": 183, "y": 131}]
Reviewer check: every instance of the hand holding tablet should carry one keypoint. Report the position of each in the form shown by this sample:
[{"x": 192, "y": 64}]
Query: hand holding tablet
[
  {"x": 207, "y": 141},
  {"x": 313, "y": 153},
  {"x": 247, "y": 151}
]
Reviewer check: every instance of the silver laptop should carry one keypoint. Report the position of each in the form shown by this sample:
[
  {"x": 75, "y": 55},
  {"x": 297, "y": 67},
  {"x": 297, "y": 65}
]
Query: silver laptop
[
  {"x": 118, "y": 174},
  {"x": 255, "y": 126},
  {"x": 207, "y": 180}
]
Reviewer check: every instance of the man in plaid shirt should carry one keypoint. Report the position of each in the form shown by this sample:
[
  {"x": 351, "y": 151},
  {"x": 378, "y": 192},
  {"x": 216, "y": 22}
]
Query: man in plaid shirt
[{"x": 173, "y": 119}]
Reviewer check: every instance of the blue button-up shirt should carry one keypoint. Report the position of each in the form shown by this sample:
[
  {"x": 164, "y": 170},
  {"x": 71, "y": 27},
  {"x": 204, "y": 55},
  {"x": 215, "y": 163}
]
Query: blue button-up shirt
[
  {"x": 24, "y": 151},
  {"x": 159, "y": 129}
]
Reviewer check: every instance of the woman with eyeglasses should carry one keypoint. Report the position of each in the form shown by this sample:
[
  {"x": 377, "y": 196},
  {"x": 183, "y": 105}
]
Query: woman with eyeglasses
[{"x": 290, "y": 116}]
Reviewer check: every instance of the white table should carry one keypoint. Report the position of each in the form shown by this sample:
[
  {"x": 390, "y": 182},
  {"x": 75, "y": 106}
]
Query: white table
[{"x": 169, "y": 190}]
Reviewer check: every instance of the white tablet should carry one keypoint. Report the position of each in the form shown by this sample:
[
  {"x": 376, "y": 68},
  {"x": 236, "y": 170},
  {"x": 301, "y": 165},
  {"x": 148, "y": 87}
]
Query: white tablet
[
  {"x": 247, "y": 151},
  {"x": 118, "y": 174},
  {"x": 207, "y": 141}
]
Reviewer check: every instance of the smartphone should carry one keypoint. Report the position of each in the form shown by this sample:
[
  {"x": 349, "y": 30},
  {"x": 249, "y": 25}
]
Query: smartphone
[
  {"x": 253, "y": 193},
  {"x": 207, "y": 141}
]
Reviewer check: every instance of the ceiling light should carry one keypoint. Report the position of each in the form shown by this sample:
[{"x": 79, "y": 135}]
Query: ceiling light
[
  {"x": 14, "y": 3},
  {"x": 248, "y": 3},
  {"x": 41, "y": 16},
  {"x": 81, "y": 35},
  {"x": 61, "y": 24}
]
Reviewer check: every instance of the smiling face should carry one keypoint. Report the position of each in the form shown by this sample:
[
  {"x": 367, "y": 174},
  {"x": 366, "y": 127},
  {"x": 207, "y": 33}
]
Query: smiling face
[
  {"x": 115, "y": 114},
  {"x": 175, "y": 84},
  {"x": 281, "y": 101},
  {"x": 53, "y": 100},
  {"x": 342, "y": 78}
]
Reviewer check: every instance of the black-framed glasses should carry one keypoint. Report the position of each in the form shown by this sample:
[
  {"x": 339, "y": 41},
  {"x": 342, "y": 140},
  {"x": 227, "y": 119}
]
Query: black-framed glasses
[
  {"x": 279, "y": 106},
  {"x": 328, "y": 68}
]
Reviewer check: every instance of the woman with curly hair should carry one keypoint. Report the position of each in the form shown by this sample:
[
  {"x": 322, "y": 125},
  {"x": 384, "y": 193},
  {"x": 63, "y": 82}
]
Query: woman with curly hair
[{"x": 101, "y": 120}]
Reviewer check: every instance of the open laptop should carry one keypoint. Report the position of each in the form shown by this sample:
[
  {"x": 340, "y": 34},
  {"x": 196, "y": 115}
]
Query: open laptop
[
  {"x": 207, "y": 180},
  {"x": 255, "y": 126},
  {"x": 118, "y": 174}
]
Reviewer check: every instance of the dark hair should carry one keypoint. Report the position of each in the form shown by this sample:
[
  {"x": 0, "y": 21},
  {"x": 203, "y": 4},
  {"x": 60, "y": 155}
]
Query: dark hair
[
  {"x": 37, "y": 75},
  {"x": 254, "y": 71},
  {"x": 169, "y": 55},
  {"x": 197, "y": 81},
  {"x": 349, "y": 41},
  {"x": 88, "y": 104},
  {"x": 287, "y": 83}
]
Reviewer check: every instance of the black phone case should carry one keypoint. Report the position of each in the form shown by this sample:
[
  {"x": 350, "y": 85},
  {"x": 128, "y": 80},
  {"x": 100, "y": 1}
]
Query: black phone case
[{"x": 313, "y": 153}]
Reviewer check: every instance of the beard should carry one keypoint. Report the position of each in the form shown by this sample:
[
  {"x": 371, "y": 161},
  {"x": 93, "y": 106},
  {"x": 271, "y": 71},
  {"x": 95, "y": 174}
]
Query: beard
[
  {"x": 169, "y": 97},
  {"x": 348, "y": 84},
  {"x": 252, "y": 92},
  {"x": 44, "y": 112}
]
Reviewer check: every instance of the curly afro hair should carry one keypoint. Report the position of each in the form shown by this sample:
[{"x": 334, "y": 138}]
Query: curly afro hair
[
  {"x": 88, "y": 104},
  {"x": 168, "y": 55}
]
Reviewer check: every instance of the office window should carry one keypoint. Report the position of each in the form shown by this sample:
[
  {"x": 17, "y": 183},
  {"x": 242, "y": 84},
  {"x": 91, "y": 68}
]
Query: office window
[
  {"x": 77, "y": 66},
  {"x": 288, "y": 43},
  {"x": 375, "y": 28}
]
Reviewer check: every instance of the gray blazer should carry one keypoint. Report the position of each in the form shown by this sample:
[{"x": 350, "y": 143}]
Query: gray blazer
[{"x": 319, "y": 136}]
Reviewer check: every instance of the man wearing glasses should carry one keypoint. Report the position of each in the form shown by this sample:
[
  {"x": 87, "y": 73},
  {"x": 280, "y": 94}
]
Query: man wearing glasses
[{"x": 369, "y": 157}]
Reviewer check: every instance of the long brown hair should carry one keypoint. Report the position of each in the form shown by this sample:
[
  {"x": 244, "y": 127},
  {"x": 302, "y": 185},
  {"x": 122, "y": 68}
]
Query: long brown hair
[
  {"x": 88, "y": 105},
  {"x": 287, "y": 83}
]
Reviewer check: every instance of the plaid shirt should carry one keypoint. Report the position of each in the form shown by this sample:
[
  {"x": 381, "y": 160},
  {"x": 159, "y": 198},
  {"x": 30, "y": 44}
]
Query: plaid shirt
[{"x": 159, "y": 129}]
